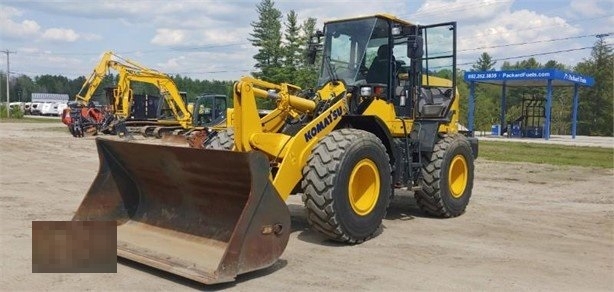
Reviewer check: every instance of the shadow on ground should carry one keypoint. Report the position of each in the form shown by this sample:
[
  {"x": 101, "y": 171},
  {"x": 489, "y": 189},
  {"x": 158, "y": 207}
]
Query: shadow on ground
[
  {"x": 280, "y": 264},
  {"x": 402, "y": 207}
]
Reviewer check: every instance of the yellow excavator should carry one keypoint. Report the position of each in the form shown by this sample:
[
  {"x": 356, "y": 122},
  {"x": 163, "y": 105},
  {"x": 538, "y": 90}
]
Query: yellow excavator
[
  {"x": 121, "y": 96},
  {"x": 384, "y": 117}
]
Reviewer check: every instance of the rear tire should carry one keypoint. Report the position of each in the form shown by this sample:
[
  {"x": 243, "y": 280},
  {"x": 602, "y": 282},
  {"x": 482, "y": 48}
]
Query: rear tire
[
  {"x": 223, "y": 140},
  {"x": 447, "y": 178},
  {"x": 347, "y": 185}
]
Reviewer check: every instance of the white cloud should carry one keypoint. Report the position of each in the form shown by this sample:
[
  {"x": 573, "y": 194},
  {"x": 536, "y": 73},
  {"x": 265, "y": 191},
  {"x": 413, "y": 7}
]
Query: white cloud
[
  {"x": 34, "y": 61},
  {"x": 172, "y": 64},
  {"x": 461, "y": 10},
  {"x": 495, "y": 25},
  {"x": 91, "y": 37},
  {"x": 225, "y": 36},
  {"x": 168, "y": 37},
  {"x": 60, "y": 34},
  {"x": 31, "y": 30},
  {"x": 14, "y": 29},
  {"x": 589, "y": 7}
]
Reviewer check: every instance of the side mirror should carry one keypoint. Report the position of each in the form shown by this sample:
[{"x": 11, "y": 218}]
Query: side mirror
[
  {"x": 314, "y": 46},
  {"x": 312, "y": 51},
  {"x": 415, "y": 47}
]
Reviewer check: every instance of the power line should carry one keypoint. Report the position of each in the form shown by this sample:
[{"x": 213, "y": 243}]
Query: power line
[
  {"x": 535, "y": 42},
  {"x": 556, "y": 25},
  {"x": 444, "y": 9},
  {"x": 532, "y": 55}
]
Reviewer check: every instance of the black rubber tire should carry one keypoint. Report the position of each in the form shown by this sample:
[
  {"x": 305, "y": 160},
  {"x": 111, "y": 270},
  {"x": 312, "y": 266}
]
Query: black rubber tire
[
  {"x": 325, "y": 185},
  {"x": 223, "y": 140},
  {"x": 435, "y": 197}
]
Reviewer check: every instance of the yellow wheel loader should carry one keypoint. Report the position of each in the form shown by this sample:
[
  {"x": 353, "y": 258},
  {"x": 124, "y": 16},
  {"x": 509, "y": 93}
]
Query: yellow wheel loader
[{"x": 384, "y": 117}]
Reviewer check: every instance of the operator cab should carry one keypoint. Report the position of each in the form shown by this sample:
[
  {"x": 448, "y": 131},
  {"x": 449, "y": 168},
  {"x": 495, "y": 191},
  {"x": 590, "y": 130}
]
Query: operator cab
[
  {"x": 209, "y": 109},
  {"x": 383, "y": 57}
]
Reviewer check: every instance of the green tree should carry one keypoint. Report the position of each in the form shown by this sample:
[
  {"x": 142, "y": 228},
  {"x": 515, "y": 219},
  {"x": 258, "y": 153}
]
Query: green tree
[
  {"x": 463, "y": 92},
  {"x": 22, "y": 88},
  {"x": 553, "y": 64},
  {"x": 596, "y": 108},
  {"x": 484, "y": 63},
  {"x": 74, "y": 85},
  {"x": 560, "y": 114},
  {"x": 487, "y": 106},
  {"x": 266, "y": 36},
  {"x": 307, "y": 75},
  {"x": 530, "y": 63},
  {"x": 52, "y": 83},
  {"x": 291, "y": 53},
  {"x": 487, "y": 97}
]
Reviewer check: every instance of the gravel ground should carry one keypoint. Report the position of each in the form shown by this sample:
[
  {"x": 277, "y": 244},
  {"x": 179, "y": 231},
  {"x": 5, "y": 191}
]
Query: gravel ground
[{"x": 527, "y": 227}]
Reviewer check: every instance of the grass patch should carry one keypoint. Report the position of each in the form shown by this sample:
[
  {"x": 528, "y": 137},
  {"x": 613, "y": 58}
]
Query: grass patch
[
  {"x": 547, "y": 154},
  {"x": 30, "y": 120}
]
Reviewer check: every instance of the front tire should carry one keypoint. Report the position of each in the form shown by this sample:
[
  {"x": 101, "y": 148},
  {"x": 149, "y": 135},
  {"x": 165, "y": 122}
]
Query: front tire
[
  {"x": 447, "y": 178},
  {"x": 347, "y": 185}
]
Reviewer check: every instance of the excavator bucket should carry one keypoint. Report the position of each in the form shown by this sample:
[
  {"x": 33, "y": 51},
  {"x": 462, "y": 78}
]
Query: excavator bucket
[{"x": 206, "y": 215}]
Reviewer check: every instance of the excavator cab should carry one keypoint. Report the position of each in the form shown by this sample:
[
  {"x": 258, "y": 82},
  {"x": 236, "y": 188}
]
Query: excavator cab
[{"x": 209, "y": 109}]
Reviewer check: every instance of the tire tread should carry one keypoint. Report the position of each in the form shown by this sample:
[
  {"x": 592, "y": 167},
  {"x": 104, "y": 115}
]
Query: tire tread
[{"x": 318, "y": 181}]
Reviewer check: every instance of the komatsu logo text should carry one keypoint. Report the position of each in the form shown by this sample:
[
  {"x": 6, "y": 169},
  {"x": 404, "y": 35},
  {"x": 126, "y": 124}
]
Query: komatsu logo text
[{"x": 333, "y": 115}]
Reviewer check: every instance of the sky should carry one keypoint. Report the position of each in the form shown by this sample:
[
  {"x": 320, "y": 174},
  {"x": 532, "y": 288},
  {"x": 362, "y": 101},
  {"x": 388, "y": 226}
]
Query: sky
[{"x": 209, "y": 39}]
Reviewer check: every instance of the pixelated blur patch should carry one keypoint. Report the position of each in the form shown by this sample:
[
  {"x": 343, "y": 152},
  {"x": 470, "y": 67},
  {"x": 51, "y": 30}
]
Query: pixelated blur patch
[{"x": 74, "y": 247}]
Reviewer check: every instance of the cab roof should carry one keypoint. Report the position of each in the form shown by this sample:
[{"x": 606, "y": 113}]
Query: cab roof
[{"x": 379, "y": 15}]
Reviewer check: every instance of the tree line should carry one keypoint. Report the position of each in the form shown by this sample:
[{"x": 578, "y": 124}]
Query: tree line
[
  {"x": 22, "y": 86},
  {"x": 282, "y": 44}
]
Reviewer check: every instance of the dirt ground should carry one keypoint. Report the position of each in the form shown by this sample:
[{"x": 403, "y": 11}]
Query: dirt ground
[{"x": 527, "y": 227}]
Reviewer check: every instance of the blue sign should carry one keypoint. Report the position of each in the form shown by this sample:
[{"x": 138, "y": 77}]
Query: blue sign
[{"x": 541, "y": 74}]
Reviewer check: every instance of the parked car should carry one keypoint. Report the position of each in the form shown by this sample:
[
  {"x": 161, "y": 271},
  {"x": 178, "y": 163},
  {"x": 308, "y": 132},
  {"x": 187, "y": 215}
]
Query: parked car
[
  {"x": 35, "y": 108},
  {"x": 27, "y": 108},
  {"x": 60, "y": 107},
  {"x": 47, "y": 108},
  {"x": 19, "y": 105}
]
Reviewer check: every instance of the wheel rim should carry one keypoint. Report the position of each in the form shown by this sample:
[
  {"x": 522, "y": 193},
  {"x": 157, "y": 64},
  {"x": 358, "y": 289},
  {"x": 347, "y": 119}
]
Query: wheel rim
[
  {"x": 364, "y": 187},
  {"x": 458, "y": 176}
]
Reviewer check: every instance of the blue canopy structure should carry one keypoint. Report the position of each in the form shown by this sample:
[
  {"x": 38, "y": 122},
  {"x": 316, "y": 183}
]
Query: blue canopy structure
[{"x": 528, "y": 78}]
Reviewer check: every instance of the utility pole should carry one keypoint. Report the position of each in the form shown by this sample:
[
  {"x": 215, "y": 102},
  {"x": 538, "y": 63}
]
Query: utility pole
[{"x": 8, "y": 67}]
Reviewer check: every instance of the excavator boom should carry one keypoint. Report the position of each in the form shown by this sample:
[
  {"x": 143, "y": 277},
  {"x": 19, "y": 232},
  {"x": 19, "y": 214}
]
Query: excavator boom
[{"x": 128, "y": 71}]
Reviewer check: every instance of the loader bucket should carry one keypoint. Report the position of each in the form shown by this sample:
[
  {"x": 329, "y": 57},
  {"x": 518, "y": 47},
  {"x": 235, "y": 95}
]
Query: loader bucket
[{"x": 206, "y": 215}]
